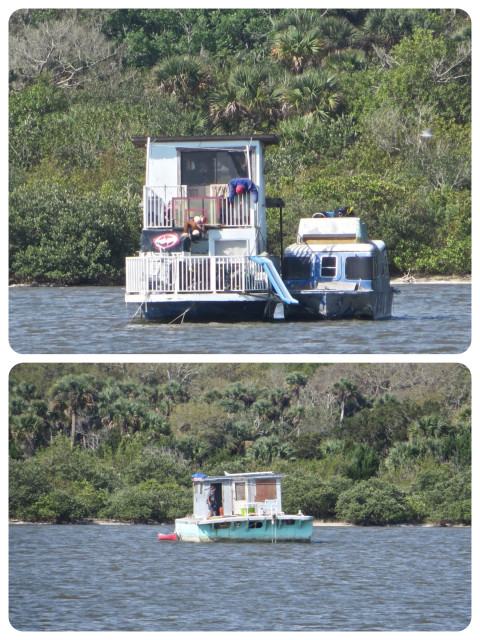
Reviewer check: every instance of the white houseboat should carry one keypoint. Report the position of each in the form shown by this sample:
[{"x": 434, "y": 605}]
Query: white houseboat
[
  {"x": 202, "y": 255},
  {"x": 240, "y": 507}
]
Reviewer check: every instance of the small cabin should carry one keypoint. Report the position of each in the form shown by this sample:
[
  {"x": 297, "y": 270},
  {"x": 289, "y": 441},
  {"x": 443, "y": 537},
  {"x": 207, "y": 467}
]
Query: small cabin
[
  {"x": 239, "y": 494},
  {"x": 332, "y": 253}
]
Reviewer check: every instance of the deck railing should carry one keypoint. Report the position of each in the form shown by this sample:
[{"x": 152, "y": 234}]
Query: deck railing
[
  {"x": 267, "y": 508},
  {"x": 169, "y": 206},
  {"x": 181, "y": 273}
]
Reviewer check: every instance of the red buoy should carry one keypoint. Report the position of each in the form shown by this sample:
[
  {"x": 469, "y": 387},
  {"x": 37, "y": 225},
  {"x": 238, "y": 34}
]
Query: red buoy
[{"x": 170, "y": 536}]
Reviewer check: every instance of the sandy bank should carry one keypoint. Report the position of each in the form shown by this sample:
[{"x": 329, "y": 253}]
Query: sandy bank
[{"x": 432, "y": 280}]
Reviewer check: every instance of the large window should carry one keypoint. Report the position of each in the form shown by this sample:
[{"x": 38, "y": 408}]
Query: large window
[
  {"x": 212, "y": 167},
  {"x": 266, "y": 490},
  {"x": 296, "y": 268},
  {"x": 359, "y": 268}
]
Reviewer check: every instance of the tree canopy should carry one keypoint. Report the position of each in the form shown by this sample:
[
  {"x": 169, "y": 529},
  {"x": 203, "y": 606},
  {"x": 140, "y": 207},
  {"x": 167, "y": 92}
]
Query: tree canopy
[
  {"x": 348, "y": 92},
  {"x": 370, "y": 444}
]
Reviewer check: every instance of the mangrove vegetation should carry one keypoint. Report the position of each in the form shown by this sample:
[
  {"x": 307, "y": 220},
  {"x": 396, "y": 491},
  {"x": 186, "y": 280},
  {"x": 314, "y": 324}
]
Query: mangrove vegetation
[
  {"x": 372, "y": 108},
  {"x": 370, "y": 444}
]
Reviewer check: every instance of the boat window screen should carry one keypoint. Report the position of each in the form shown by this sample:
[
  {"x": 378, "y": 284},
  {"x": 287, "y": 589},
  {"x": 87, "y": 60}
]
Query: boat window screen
[
  {"x": 266, "y": 490},
  {"x": 212, "y": 167},
  {"x": 239, "y": 491},
  {"x": 359, "y": 268},
  {"x": 328, "y": 267},
  {"x": 297, "y": 268}
]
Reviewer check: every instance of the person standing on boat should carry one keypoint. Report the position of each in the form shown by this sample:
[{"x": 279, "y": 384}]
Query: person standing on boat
[
  {"x": 238, "y": 186},
  {"x": 212, "y": 502}
]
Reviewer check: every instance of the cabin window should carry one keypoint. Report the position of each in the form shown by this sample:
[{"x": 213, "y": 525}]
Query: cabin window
[
  {"x": 328, "y": 268},
  {"x": 222, "y": 525},
  {"x": 256, "y": 524},
  {"x": 359, "y": 268},
  {"x": 266, "y": 490},
  {"x": 212, "y": 167},
  {"x": 240, "y": 491},
  {"x": 297, "y": 268}
]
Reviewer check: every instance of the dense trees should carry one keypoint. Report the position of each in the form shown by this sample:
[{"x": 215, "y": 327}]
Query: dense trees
[
  {"x": 347, "y": 91},
  {"x": 372, "y": 444}
]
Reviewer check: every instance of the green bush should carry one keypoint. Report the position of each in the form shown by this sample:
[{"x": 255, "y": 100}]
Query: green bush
[
  {"x": 372, "y": 502},
  {"x": 148, "y": 501}
]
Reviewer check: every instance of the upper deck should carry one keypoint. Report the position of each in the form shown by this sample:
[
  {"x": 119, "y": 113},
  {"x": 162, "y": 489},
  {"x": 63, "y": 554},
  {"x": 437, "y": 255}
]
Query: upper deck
[{"x": 191, "y": 176}]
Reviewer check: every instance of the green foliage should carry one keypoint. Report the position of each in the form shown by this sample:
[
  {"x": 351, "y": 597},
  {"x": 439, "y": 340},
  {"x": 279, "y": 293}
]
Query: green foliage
[
  {"x": 121, "y": 441},
  {"x": 372, "y": 502},
  {"x": 148, "y": 501},
  {"x": 57, "y": 235},
  {"x": 303, "y": 74}
]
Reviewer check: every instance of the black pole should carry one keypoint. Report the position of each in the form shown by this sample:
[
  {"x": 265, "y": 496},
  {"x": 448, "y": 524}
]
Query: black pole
[{"x": 281, "y": 242}]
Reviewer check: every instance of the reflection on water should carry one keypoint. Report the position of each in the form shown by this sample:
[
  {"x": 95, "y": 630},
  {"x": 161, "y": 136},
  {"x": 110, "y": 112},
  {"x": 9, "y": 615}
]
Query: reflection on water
[{"x": 427, "y": 318}]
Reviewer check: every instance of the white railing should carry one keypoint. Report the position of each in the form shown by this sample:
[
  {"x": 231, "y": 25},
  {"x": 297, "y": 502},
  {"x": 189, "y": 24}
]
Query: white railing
[
  {"x": 157, "y": 210},
  {"x": 267, "y": 508},
  {"x": 180, "y": 273},
  {"x": 168, "y": 206}
]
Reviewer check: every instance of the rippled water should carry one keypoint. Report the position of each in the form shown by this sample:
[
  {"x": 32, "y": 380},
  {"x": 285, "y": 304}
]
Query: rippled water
[
  {"x": 99, "y": 578},
  {"x": 427, "y": 318}
]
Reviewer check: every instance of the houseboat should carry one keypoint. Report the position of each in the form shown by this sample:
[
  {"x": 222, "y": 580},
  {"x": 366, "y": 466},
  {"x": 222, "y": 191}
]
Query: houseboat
[
  {"x": 203, "y": 244},
  {"x": 335, "y": 271},
  {"x": 241, "y": 507}
]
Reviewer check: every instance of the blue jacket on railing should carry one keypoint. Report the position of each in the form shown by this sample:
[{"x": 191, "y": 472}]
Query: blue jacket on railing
[{"x": 246, "y": 183}]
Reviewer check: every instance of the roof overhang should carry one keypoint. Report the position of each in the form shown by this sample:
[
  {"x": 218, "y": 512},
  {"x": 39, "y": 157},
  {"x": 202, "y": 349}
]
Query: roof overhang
[{"x": 266, "y": 139}]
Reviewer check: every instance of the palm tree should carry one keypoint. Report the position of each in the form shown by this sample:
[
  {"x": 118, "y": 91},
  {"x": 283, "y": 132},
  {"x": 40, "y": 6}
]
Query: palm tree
[
  {"x": 386, "y": 27},
  {"x": 297, "y": 49},
  {"x": 343, "y": 390},
  {"x": 183, "y": 76},
  {"x": 73, "y": 394},
  {"x": 26, "y": 429},
  {"x": 250, "y": 94},
  {"x": 313, "y": 94},
  {"x": 338, "y": 34}
]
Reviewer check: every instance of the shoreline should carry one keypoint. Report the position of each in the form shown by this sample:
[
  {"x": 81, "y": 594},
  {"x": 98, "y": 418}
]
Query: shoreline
[
  {"x": 316, "y": 523},
  {"x": 431, "y": 280},
  {"x": 393, "y": 281}
]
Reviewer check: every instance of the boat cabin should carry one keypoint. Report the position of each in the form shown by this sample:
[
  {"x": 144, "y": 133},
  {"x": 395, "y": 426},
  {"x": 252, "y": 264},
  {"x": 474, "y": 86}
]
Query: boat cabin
[
  {"x": 334, "y": 253},
  {"x": 198, "y": 231},
  {"x": 189, "y": 178},
  {"x": 239, "y": 494}
]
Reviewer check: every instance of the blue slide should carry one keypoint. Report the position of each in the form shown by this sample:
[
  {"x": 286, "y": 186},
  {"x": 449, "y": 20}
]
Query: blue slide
[{"x": 275, "y": 279}]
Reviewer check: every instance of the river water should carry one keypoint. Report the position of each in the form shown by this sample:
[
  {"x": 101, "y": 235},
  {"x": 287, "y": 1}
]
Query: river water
[
  {"x": 427, "y": 318},
  {"x": 121, "y": 578}
]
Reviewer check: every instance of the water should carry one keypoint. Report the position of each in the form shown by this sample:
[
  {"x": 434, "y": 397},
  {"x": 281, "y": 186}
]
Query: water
[
  {"x": 427, "y": 318},
  {"x": 112, "y": 578}
]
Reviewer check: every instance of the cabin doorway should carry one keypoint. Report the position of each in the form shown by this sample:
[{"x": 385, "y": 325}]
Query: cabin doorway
[{"x": 216, "y": 507}]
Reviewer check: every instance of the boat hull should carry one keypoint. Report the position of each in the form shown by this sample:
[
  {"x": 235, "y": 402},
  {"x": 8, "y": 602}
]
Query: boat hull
[
  {"x": 178, "y": 311},
  {"x": 253, "y": 529},
  {"x": 317, "y": 305}
]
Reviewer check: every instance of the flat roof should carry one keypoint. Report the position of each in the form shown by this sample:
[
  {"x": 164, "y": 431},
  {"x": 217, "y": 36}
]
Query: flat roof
[
  {"x": 266, "y": 138},
  {"x": 258, "y": 475}
]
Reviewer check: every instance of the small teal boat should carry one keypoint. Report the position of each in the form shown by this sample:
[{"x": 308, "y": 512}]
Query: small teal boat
[{"x": 241, "y": 507}]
